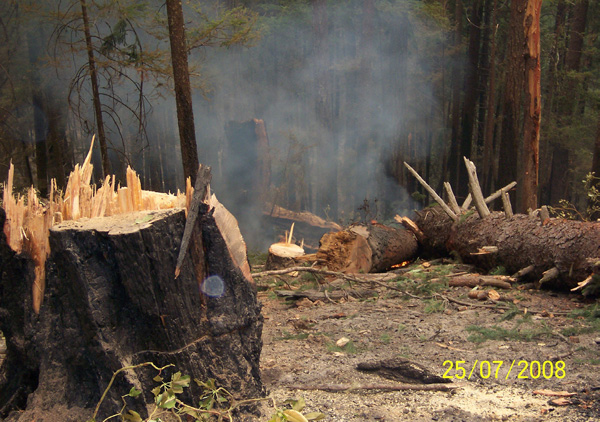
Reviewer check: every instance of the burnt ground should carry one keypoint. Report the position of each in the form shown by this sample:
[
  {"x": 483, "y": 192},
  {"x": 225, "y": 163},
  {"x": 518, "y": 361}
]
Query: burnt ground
[{"x": 428, "y": 328}]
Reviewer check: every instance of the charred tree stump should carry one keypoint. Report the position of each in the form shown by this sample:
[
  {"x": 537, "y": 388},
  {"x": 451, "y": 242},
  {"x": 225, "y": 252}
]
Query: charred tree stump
[
  {"x": 111, "y": 301},
  {"x": 558, "y": 253},
  {"x": 366, "y": 248}
]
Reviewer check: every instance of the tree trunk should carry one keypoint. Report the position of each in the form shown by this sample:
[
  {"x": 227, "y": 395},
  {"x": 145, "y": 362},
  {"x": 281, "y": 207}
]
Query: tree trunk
[
  {"x": 454, "y": 159},
  {"x": 95, "y": 90},
  {"x": 513, "y": 90},
  {"x": 112, "y": 301},
  {"x": 490, "y": 117},
  {"x": 471, "y": 84},
  {"x": 366, "y": 248},
  {"x": 183, "y": 90},
  {"x": 528, "y": 198},
  {"x": 596, "y": 167},
  {"x": 521, "y": 241}
]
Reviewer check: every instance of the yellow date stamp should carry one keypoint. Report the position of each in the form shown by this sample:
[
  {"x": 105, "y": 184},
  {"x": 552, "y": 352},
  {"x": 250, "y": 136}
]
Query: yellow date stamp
[{"x": 496, "y": 369}]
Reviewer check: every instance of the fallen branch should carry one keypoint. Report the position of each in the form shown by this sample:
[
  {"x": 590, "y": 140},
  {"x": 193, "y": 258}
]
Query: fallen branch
[
  {"x": 350, "y": 388},
  {"x": 330, "y": 296},
  {"x": 472, "y": 280}
]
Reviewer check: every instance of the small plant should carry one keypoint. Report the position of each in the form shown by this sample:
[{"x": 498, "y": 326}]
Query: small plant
[
  {"x": 215, "y": 403},
  {"x": 294, "y": 414},
  {"x": 570, "y": 212},
  {"x": 385, "y": 338},
  {"x": 434, "y": 306}
]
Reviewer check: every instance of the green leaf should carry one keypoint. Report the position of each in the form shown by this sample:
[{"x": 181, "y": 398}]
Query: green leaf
[
  {"x": 156, "y": 391},
  {"x": 299, "y": 405},
  {"x": 133, "y": 416},
  {"x": 181, "y": 381},
  {"x": 158, "y": 378},
  {"x": 134, "y": 392},
  {"x": 314, "y": 416}
]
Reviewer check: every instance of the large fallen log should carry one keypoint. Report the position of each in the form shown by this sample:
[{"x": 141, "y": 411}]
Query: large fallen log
[
  {"x": 555, "y": 252},
  {"x": 111, "y": 301},
  {"x": 366, "y": 248},
  {"x": 559, "y": 253}
]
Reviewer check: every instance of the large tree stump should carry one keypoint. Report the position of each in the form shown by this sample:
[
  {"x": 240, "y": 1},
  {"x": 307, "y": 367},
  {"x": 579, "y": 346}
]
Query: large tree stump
[
  {"x": 112, "y": 301},
  {"x": 367, "y": 248}
]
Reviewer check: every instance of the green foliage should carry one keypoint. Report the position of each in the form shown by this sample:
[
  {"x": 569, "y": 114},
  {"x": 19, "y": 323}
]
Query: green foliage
[
  {"x": 434, "y": 306},
  {"x": 499, "y": 270},
  {"x": 570, "y": 212},
  {"x": 214, "y": 401}
]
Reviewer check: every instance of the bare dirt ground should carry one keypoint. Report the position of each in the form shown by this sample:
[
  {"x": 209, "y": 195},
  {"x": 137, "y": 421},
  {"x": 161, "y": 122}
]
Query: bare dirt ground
[{"x": 538, "y": 326}]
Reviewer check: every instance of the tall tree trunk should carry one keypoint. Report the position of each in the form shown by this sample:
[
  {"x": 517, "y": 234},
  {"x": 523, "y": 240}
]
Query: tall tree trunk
[
  {"x": 513, "y": 90},
  {"x": 454, "y": 160},
  {"x": 547, "y": 148},
  {"x": 95, "y": 90},
  {"x": 533, "y": 109},
  {"x": 183, "y": 90},
  {"x": 39, "y": 123},
  {"x": 490, "y": 118},
  {"x": 596, "y": 166},
  {"x": 471, "y": 84}
]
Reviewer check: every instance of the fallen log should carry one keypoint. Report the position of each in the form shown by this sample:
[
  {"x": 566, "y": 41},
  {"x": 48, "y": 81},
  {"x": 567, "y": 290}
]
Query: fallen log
[
  {"x": 558, "y": 253},
  {"x": 366, "y": 248}
]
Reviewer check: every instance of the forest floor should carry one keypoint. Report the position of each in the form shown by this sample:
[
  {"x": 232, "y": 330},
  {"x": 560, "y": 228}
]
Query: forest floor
[{"x": 428, "y": 328}]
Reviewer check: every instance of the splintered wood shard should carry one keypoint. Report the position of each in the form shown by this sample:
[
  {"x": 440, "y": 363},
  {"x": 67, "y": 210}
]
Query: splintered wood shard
[
  {"x": 200, "y": 195},
  {"x": 432, "y": 192},
  {"x": 29, "y": 220},
  {"x": 475, "y": 189}
]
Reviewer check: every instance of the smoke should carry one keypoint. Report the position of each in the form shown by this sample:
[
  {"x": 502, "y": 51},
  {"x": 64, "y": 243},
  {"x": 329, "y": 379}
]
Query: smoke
[{"x": 337, "y": 109}]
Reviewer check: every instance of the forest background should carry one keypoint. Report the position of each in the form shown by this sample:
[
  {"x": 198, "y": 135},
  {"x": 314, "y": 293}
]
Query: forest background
[{"x": 348, "y": 90}]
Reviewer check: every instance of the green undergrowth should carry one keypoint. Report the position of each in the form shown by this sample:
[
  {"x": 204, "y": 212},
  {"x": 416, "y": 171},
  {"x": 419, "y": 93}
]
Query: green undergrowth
[
  {"x": 587, "y": 320},
  {"x": 213, "y": 404},
  {"x": 523, "y": 330}
]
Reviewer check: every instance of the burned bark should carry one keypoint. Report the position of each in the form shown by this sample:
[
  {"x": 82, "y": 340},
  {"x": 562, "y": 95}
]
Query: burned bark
[
  {"x": 111, "y": 301},
  {"x": 562, "y": 252},
  {"x": 367, "y": 248}
]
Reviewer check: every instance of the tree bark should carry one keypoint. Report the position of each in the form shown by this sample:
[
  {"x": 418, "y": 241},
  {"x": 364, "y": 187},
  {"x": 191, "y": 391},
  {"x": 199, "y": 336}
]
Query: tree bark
[
  {"x": 183, "y": 90},
  {"x": 111, "y": 301},
  {"x": 513, "y": 91},
  {"x": 528, "y": 198},
  {"x": 521, "y": 241},
  {"x": 366, "y": 248}
]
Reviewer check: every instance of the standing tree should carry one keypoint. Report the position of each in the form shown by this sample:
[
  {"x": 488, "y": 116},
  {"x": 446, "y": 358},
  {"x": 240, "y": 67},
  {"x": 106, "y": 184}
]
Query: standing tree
[
  {"x": 533, "y": 108},
  {"x": 183, "y": 90},
  {"x": 95, "y": 90}
]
